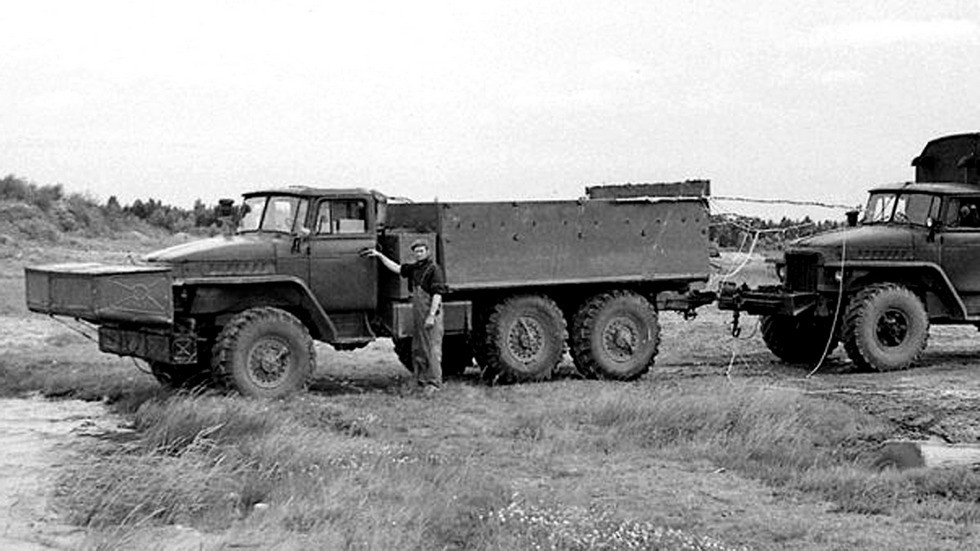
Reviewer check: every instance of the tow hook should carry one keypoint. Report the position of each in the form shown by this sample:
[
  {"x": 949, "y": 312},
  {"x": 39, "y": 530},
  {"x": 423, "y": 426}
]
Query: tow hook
[{"x": 736, "y": 330}]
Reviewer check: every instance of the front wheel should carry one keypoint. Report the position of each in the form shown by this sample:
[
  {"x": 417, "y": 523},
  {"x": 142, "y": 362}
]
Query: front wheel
[
  {"x": 265, "y": 353},
  {"x": 799, "y": 339},
  {"x": 885, "y": 328}
]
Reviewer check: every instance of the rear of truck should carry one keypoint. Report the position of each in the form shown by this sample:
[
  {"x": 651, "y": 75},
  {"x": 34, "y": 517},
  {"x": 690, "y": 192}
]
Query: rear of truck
[{"x": 527, "y": 276}]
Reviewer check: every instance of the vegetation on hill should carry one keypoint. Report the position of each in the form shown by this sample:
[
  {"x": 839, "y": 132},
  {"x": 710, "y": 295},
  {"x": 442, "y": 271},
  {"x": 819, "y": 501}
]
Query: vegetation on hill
[{"x": 45, "y": 212}]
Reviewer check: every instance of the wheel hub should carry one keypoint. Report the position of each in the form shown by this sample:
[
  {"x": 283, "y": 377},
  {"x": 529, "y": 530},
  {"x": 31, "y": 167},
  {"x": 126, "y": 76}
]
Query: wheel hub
[
  {"x": 525, "y": 339},
  {"x": 269, "y": 361},
  {"x": 892, "y": 328},
  {"x": 620, "y": 338}
]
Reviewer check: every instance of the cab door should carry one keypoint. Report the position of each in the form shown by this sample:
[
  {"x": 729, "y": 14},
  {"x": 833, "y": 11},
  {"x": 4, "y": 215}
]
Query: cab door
[
  {"x": 340, "y": 277},
  {"x": 285, "y": 218},
  {"x": 959, "y": 244}
]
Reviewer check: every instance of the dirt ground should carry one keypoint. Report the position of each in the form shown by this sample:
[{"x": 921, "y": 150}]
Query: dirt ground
[
  {"x": 935, "y": 400},
  {"x": 35, "y": 437}
]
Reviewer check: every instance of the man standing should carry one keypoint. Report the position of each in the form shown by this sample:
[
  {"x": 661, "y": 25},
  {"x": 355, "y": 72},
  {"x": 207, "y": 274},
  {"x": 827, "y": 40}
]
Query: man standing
[{"x": 427, "y": 283}]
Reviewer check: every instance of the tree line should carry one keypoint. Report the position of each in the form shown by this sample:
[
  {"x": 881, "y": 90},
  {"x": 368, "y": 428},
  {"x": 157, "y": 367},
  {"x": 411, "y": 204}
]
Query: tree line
[
  {"x": 41, "y": 210},
  {"x": 45, "y": 210},
  {"x": 728, "y": 231}
]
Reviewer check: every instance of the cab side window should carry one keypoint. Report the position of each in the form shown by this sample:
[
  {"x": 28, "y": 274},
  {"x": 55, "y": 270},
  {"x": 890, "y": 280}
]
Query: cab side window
[
  {"x": 342, "y": 216},
  {"x": 963, "y": 213}
]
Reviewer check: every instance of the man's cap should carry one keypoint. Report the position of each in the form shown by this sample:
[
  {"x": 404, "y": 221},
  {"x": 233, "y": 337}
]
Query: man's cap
[{"x": 419, "y": 243}]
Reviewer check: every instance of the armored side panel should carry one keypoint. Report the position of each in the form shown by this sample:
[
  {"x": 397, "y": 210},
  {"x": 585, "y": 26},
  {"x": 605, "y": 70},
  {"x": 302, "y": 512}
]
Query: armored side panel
[
  {"x": 949, "y": 159},
  {"x": 101, "y": 293},
  {"x": 496, "y": 245}
]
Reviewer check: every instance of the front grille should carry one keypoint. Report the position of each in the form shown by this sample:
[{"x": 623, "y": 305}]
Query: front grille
[{"x": 801, "y": 271}]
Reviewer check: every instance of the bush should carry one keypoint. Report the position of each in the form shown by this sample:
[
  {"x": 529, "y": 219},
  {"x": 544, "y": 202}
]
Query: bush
[{"x": 24, "y": 220}]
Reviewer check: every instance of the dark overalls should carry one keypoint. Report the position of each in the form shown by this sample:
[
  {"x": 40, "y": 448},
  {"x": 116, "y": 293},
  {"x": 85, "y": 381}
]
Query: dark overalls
[{"x": 425, "y": 279}]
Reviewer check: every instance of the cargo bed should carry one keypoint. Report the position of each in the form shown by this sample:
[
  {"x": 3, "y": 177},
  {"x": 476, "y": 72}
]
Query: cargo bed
[{"x": 500, "y": 245}]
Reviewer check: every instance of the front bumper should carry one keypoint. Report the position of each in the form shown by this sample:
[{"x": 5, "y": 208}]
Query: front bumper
[
  {"x": 767, "y": 300},
  {"x": 160, "y": 344}
]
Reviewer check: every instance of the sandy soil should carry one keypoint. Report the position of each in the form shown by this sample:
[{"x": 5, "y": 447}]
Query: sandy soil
[{"x": 35, "y": 437}]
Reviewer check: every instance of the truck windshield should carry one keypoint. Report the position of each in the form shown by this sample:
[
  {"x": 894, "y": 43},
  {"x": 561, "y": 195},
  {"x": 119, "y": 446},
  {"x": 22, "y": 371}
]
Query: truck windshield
[
  {"x": 276, "y": 213},
  {"x": 902, "y": 208}
]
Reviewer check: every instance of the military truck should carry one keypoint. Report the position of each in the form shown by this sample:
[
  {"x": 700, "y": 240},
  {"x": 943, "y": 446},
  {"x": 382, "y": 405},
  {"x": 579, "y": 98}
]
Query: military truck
[
  {"x": 911, "y": 261},
  {"x": 524, "y": 277}
]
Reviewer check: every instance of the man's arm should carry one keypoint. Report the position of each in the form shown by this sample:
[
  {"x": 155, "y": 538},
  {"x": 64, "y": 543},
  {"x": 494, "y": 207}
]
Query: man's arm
[{"x": 389, "y": 263}]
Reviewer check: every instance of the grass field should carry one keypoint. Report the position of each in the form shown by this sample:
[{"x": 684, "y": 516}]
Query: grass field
[{"x": 696, "y": 455}]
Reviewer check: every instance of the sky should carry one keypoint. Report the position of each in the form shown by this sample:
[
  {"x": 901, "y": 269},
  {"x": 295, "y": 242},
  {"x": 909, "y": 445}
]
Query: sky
[{"x": 475, "y": 101}]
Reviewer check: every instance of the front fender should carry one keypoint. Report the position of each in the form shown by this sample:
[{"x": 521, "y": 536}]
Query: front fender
[
  {"x": 928, "y": 278},
  {"x": 214, "y": 296}
]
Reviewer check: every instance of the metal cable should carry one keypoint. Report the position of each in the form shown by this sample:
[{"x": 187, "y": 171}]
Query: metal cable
[{"x": 835, "y": 206}]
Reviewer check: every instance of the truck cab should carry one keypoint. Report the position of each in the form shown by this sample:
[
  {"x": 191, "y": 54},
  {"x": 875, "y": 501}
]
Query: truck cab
[
  {"x": 913, "y": 260},
  {"x": 300, "y": 245}
]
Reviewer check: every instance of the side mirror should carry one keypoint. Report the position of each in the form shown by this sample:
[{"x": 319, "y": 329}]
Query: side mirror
[
  {"x": 934, "y": 226},
  {"x": 852, "y": 218}
]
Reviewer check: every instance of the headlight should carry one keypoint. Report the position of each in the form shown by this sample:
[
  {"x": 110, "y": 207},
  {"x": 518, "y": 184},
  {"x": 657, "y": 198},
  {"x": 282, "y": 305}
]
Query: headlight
[
  {"x": 781, "y": 271},
  {"x": 838, "y": 275}
]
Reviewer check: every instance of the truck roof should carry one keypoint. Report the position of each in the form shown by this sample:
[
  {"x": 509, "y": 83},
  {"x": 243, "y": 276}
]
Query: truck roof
[
  {"x": 307, "y": 191},
  {"x": 939, "y": 188}
]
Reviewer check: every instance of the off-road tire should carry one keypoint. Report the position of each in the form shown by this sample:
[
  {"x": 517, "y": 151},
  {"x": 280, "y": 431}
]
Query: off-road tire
[
  {"x": 885, "y": 328},
  {"x": 457, "y": 354},
  {"x": 615, "y": 336},
  {"x": 524, "y": 339},
  {"x": 798, "y": 339},
  {"x": 264, "y": 353},
  {"x": 181, "y": 377}
]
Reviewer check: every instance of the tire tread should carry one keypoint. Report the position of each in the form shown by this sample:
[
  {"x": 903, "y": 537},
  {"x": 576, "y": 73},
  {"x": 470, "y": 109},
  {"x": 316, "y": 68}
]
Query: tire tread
[
  {"x": 582, "y": 327},
  {"x": 224, "y": 345}
]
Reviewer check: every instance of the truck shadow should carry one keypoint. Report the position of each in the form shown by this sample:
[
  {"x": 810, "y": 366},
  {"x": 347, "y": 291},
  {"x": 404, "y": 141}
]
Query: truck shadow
[
  {"x": 404, "y": 383},
  {"x": 332, "y": 385}
]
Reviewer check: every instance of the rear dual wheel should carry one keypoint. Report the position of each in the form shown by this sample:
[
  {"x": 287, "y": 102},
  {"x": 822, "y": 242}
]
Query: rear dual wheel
[
  {"x": 523, "y": 339},
  {"x": 615, "y": 335}
]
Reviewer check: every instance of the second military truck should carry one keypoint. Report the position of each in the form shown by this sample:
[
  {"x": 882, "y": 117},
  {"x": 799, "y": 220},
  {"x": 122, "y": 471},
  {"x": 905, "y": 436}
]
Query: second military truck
[
  {"x": 524, "y": 279},
  {"x": 913, "y": 259}
]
